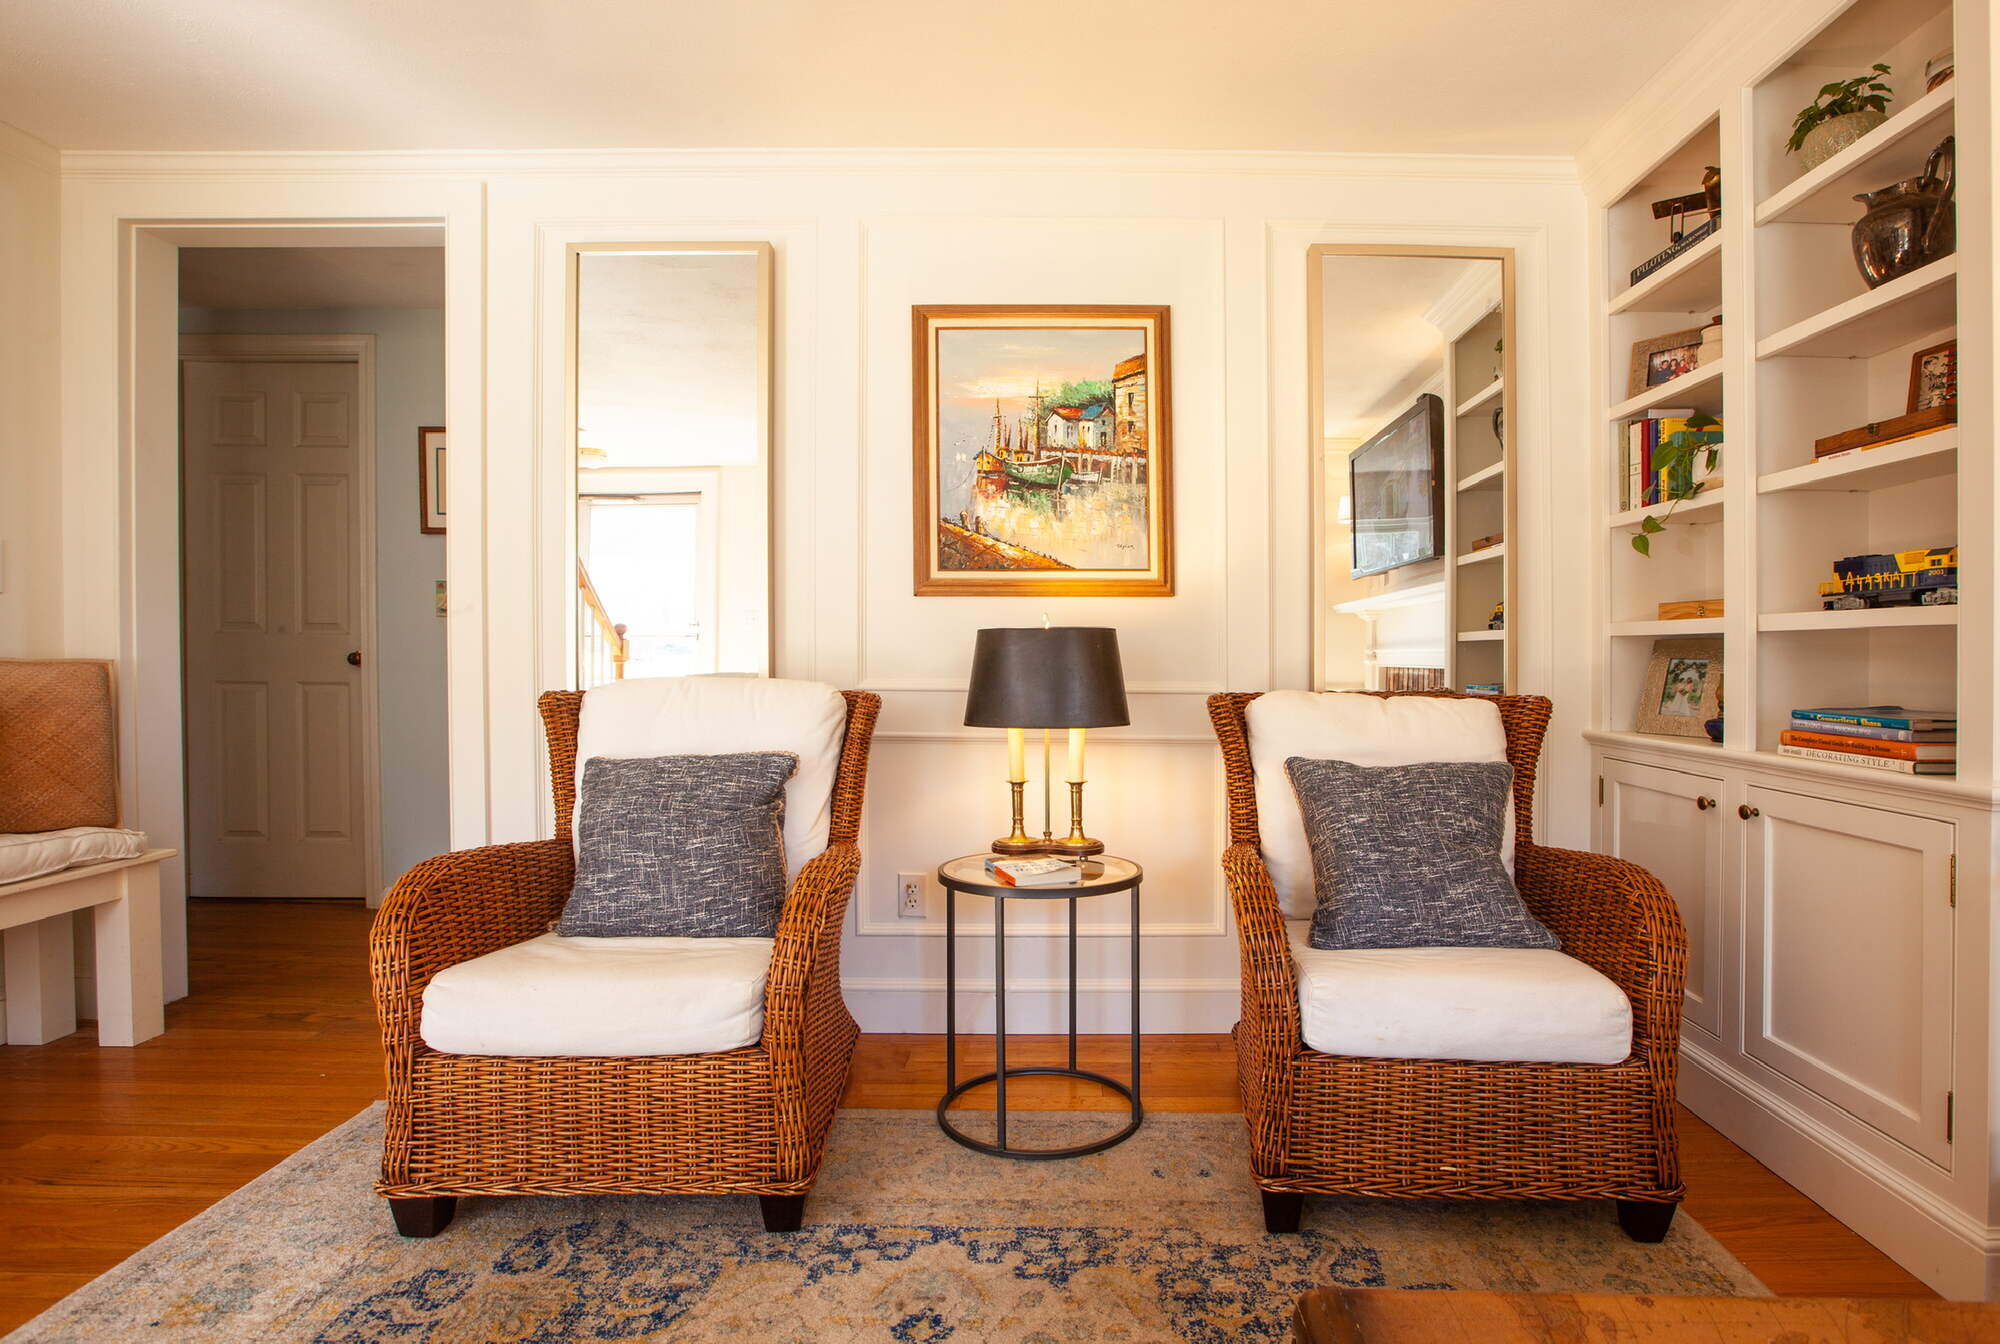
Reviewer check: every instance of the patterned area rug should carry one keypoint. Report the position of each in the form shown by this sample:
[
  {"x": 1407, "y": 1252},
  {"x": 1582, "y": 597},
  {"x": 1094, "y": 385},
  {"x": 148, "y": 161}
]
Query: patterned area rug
[{"x": 909, "y": 1239}]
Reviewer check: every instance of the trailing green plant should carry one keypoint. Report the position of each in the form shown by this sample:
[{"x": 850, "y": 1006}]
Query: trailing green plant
[
  {"x": 1674, "y": 463},
  {"x": 1863, "y": 93}
]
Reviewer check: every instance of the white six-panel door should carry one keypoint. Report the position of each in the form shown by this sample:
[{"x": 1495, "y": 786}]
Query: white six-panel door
[{"x": 273, "y": 597}]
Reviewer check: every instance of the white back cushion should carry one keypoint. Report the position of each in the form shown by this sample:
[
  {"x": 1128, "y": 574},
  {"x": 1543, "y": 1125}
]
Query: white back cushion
[
  {"x": 712, "y": 716},
  {"x": 1364, "y": 729}
]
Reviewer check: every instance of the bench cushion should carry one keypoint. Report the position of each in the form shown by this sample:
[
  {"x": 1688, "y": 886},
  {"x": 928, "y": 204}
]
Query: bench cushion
[
  {"x": 601, "y": 996},
  {"x": 1528, "y": 1005},
  {"x": 42, "y": 852}
]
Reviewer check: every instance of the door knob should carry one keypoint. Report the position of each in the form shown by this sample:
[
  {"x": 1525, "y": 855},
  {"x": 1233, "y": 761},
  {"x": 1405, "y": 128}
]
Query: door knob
[
  {"x": 1745, "y": 811},
  {"x": 354, "y": 658},
  {"x": 1702, "y": 804}
]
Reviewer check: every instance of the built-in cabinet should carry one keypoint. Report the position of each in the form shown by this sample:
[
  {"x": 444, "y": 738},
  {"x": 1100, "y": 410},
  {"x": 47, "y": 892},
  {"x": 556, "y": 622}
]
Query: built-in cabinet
[{"x": 1669, "y": 822}]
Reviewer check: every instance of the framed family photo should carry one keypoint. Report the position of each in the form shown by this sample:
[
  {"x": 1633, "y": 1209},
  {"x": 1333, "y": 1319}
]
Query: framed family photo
[
  {"x": 1661, "y": 359},
  {"x": 1682, "y": 689},
  {"x": 430, "y": 478},
  {"x": 1043, "y": 451}
]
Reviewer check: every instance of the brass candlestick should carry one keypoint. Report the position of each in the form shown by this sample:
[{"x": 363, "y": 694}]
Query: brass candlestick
[
  {"x": 1076, "y": 842},
  {"x": 1020, "y": 842}
]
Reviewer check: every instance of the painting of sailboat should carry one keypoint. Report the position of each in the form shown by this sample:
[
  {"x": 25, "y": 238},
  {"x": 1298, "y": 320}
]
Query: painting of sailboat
[{"x": 1042, "y": 451}]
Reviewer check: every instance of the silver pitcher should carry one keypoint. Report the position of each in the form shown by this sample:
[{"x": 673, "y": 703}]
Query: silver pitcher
[{"x": 1909, "y": 224}]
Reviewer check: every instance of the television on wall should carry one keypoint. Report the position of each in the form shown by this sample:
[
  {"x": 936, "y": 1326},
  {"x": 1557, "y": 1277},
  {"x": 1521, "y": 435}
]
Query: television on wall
[{"x": 1396, "y": 483}]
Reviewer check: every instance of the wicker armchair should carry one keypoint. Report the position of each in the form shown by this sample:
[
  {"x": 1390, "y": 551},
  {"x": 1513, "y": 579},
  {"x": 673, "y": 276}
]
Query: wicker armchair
[
  {"x": 747, "y": 1121},
  {"x": 1450, "y": 1129}
]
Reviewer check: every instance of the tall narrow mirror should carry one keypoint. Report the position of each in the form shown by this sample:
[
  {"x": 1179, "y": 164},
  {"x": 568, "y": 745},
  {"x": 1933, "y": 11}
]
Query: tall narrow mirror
[
  {"x": 672, "y": 433},
  {"x": 1411, "y": 354}
]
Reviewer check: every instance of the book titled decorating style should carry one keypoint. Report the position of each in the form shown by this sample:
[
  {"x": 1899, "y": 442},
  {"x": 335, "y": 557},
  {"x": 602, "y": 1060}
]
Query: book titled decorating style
[{"x": 1875, "y": 737}]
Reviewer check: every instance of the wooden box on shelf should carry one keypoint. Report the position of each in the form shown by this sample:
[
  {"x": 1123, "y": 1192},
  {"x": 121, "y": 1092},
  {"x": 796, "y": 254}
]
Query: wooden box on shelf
[
  {"x": 1688, "y": 611},
  {"x": 1894, "y": 429}
]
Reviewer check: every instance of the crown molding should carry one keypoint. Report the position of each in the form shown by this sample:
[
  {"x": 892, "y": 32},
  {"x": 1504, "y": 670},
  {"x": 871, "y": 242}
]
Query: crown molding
[{"x": 194, "y": 165}]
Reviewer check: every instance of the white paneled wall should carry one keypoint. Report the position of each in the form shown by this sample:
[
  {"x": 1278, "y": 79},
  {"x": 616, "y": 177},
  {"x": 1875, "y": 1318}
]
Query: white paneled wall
[{"x": 860, "y": 237}]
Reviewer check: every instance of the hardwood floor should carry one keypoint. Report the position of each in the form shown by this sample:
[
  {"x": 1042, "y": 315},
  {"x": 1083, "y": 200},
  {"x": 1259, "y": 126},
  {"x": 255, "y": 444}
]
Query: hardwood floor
[{"x": 102, "y": 1151}]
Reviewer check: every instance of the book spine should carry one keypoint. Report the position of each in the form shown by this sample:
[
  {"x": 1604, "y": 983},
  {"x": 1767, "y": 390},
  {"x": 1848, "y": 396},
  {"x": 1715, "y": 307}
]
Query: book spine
[
  {"x": 1871, "y": 720},
  {"x": 1858, "y": 731},
  {"x": 1849, "y": 758},
  {"x": 1870, "y": 746}
]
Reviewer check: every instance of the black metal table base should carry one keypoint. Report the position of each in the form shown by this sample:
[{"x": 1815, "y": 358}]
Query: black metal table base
[
  {"x": 1137, "y": 1112},
  {"x": 1002, "y": 1072}
]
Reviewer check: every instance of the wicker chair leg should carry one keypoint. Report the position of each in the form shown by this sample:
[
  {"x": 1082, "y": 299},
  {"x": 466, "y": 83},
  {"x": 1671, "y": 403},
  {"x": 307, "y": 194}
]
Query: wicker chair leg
[
  {"x": 782, "y": 1213},
  {"x": 1645, "y": 1220},
  {"x": 1282, "y": 1211},
  {"x": 425, "y": 1216}
]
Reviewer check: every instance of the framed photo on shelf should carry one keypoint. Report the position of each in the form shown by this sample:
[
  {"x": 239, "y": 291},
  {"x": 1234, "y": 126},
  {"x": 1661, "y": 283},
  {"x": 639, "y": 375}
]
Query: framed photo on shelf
[
  {"x": 1933, "y": 376},
  {"x": 1682, "y": 689},
  {"x": 1043, "y": 451},
  {"x": 430, "y": 478},
  {"x": 1661, "y": 359}
]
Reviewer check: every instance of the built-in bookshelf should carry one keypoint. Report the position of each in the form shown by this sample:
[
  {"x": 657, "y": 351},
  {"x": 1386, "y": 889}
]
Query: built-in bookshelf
[{"x": 1475, "y": 379}]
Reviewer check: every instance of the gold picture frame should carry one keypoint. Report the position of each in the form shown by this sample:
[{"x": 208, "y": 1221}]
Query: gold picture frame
[
  {"x": 430, "y": 480},
  {"x": 1043, "y": 450},
  {"x": 1682, "y": 688},
  {"x": 1661, "y": 359}
]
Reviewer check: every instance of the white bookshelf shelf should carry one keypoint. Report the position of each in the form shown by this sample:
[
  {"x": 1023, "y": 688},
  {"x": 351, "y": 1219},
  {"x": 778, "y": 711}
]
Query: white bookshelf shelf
[
  {"x": 1693, "y": 625},
  {"x": 1876, "y": 618},
  {"x": 1497, "y": 551},
  {"x": 1893, "y": 151},
  {"x": 1699, "y": 387},
  {"x": 1892, "y": 464},
  {"x": 1486, "y": 478},
  {"x": 1481, "y": 399},
  {"x": 1906, "y": 308},
  {"x": 1705, "y": 507},
  {"x": 1481, "y": 636},
  {"x": 1690, "y": 283}
]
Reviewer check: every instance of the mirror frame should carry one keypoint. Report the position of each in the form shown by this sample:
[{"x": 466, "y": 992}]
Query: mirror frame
[
  {"x": 766, "y": 255},
  {"x": 1316, "y": 302}
]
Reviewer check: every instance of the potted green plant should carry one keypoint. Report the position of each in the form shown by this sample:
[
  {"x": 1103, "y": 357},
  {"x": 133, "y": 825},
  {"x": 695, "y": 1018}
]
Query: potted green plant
[
  {"x": 1675, "y": 464},
  {"x": 1843, "y": 112}
]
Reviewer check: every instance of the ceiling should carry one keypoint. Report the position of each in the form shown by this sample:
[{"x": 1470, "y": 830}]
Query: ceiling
[
  {"x": 1378, "y": 346},
  {"x": 1420, "y": 76},
  {"x": 312, "y": 277}
]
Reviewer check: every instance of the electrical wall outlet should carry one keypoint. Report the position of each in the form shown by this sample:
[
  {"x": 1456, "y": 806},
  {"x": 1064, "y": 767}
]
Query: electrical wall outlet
[{"x": 910, "y": 895}]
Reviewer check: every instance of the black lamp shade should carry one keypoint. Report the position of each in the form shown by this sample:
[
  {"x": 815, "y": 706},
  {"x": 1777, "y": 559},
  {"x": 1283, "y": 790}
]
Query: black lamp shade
[{"x": 1066, "y": 677}]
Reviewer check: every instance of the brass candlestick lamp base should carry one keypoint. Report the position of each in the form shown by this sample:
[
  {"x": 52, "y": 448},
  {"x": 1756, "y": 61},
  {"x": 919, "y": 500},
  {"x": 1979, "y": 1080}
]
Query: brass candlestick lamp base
[
  {"x": 1020, "y": 842},
  {"x": 1076, "y": 842}
]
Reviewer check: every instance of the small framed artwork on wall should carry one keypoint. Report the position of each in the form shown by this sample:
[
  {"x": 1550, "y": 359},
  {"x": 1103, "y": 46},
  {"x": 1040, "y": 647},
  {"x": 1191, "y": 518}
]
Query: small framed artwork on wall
[
  {"x": 1043, "y": 451},
  {"x": 1661, "y": 359},
  {"x": 1683, "y": 687},
  {"x": 430, "y": 478}
]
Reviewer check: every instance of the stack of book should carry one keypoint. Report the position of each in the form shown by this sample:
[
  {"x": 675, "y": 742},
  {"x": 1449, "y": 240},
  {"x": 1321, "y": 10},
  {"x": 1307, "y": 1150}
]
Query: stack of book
[
  {"x": 1876, "y": 737},
  {"x": 1640, "y": 484}
]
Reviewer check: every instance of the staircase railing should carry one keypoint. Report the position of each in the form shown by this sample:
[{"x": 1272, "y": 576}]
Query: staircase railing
[{"x": 605, "y": 646}]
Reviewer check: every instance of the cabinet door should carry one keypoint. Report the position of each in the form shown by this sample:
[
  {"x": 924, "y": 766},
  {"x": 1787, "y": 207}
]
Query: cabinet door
[
  {"x": 1669, "y": 822},
  {"x": 1848, "y": 958}
]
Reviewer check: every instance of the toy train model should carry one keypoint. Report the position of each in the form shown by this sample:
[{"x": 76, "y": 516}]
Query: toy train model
[{"x": 1926, "y": 578}]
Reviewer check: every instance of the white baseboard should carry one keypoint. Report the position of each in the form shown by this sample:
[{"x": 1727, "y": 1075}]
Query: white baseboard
[
  {"x": 1949, "y": 1250},
  {"x": 1042, "y": 1006}
]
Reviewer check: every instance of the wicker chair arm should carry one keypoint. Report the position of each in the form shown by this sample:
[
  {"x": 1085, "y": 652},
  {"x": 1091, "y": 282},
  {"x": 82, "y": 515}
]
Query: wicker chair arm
[
  {"x": 456, "y": 907},
  {"x": 1615, "y": 917},
  {"x": 808, "y": 943},
  {"x": 1270, "y": 982}
]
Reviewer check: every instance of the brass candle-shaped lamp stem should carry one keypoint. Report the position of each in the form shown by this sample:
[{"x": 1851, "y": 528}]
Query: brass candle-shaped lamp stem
[
  {"x": 1018, "y": 841},
  {"x": 1076, "y": 842}
]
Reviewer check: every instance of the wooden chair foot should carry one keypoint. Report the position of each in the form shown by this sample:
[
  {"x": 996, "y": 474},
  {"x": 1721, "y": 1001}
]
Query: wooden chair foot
[
  {"x": 782, "y": 1213},
  {"x": 425, "y": 1216},
  {"x": 1282, "y": 1211},
  {"x": 1645, "y": 1220}
]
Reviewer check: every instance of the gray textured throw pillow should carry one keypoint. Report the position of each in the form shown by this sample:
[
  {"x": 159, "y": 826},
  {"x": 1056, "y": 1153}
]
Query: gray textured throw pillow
[
  {"x": 1409, "y": 855},
  {"x": 680, "y": 847}
]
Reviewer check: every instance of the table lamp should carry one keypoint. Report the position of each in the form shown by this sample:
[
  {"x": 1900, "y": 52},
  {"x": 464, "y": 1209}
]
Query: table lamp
[{"x": 1065, "y": 677}]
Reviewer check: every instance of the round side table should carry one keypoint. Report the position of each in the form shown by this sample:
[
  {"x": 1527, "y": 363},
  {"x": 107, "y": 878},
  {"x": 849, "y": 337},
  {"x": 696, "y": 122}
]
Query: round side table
[{"x": 1104, "y": 876}]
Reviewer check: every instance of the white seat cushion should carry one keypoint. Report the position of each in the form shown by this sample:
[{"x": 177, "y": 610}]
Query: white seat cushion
[
  {"x": 39, "y": 853},
  {"x": 710, "y": 716},
  {"x": 601, "y": 996},
  {"x": 1363, "y": 729},
  {"x": 1494, "y": 1003}
]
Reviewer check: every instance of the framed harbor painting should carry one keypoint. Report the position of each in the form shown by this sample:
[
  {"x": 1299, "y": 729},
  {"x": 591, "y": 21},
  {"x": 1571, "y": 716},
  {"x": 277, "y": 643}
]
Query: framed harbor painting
[{"x": 1043, "y": 451}]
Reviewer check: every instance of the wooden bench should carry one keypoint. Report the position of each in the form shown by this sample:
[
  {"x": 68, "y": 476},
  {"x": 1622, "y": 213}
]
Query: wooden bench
[{"x": 123, "y": 896}]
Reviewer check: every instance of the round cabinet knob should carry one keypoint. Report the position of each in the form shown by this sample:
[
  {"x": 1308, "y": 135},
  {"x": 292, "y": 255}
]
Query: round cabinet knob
[
  {"x": 1745, "y": 811},
  {"x": 354, "y": 658},
  {"x": 1703, "y": 804}
]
